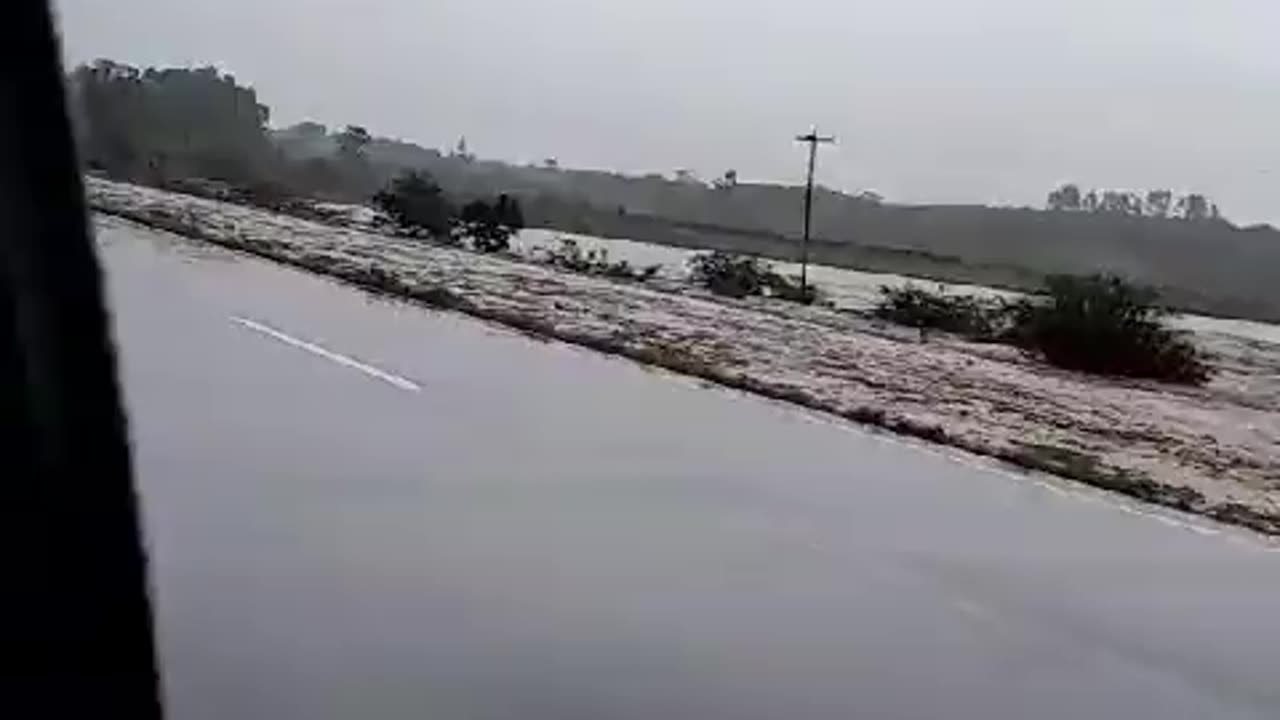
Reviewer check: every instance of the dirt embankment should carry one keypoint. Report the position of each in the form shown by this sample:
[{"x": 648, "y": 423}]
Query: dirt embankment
[{"x": 1213, "y": 451}]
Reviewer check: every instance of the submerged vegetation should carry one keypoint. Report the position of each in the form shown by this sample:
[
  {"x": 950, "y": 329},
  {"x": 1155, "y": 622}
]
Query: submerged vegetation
[
  {"x": 417, "y": 206},
  {"x": 740, "y": 276},
  {"x": 569, "y": 255},
  {"x": 1101, "y": 324}
]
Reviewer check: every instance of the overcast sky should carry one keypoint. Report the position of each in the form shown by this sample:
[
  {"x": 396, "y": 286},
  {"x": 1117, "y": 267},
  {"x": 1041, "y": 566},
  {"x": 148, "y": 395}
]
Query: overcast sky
[{"x": 932, "y": 100}]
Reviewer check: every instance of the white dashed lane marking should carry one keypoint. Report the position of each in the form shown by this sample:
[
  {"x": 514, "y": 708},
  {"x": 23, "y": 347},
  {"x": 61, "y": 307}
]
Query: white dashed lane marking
[{"x": 340, "y": 359}]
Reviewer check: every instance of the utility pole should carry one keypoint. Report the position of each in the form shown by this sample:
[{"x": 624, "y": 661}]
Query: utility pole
[{"x": 814, "y": 139}]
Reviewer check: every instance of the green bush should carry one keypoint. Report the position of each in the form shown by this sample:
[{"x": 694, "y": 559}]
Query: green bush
[
  {"x": 490, "y": 225},
  {"x": 968, "y": 315},
  {"x": 1103, "y": 324},
  {"x": 1100, "y": 324},
  {"x": 741, "y": 276},
  {"x": 729, "y": 275},
  {"x": 417, "y": 205},
  {"x": 568, "y": 254}
]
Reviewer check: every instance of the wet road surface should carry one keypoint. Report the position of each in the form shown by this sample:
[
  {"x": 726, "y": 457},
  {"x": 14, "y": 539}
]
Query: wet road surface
[{"x": 361, "y": 509}]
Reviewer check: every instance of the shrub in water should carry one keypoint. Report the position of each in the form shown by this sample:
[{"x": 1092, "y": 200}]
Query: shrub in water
[
  {"x": 416, "y": 204},
  {"x": 1100, "y": 324},
  {"x": 1103, "y": 324},
  {"x": 490, "y": 225},
  {"x": 568, "y": 254},
  {"x": 967, "y": 315},
  {"x": 740, "y": 276},
  {"x": 729, "y": 275}
]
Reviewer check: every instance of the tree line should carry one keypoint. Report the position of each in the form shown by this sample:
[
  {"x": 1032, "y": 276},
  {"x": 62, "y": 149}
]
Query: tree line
[
  {"x": 1192, "y": 207},
  {"x": 153, "y": 124},
  {"x": 165, "y": 126}
]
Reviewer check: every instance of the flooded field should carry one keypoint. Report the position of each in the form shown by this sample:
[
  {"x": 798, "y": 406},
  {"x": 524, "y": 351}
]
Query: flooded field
[{"x": 848, "y": 289}]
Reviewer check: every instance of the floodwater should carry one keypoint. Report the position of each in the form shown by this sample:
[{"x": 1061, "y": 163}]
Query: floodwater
[{"x": 854, "y": 289}]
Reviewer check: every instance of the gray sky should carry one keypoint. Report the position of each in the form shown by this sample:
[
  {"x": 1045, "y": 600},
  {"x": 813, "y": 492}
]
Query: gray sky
[{"x": 933, "y": 100}]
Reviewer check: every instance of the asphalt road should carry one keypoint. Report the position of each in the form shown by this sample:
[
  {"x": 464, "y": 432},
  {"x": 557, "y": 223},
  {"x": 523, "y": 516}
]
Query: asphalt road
[{"x": 360, "y": 509}]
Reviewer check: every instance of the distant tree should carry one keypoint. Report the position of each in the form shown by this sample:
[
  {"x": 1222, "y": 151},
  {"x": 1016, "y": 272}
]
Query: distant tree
[
  {"x": 416, "y": 203},
  {"x": 551, "y": 164},
  {"x": 1120, "y": 202},
  {"x": 1159, "y": 202},
  {"x": 1065, "y": 198},
  {"x": 1194, "y": 207},
  {"x": 461, "y": 151},
  {"x": 728, "y": 181}
]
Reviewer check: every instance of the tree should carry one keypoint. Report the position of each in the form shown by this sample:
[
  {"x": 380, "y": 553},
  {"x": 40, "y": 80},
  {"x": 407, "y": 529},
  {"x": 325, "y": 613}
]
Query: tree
[
  {"x": 728, "y": 181},
  {"x": 490, "y": 225},
  {"x": 1065, "y": 198},
  {"x": 416, "y": 203},
  {"x": 1193, "y": 207},
  {"x": 1120, "y": 202},
  {"x": 161, "y": 123},
  {"x": 1159, "y": 203},
  {"x": 461, "y": 152}
]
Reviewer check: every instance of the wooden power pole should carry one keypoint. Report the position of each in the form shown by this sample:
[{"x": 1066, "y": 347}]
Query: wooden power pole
[{"x": 813, "y": 139}]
